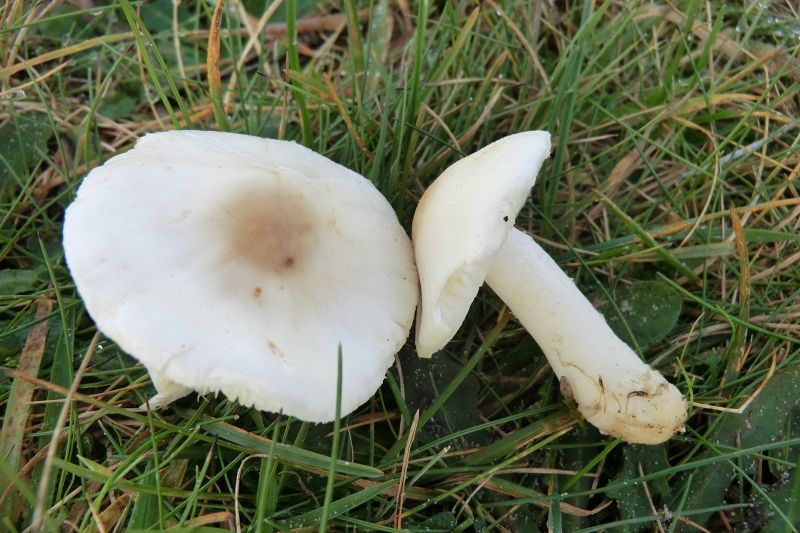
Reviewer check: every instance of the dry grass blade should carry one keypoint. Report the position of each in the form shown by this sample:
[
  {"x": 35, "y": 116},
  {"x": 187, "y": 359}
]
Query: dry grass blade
[
  {"x": 239, "y": 471},
  {"x": 211, "y": 518},
  {"x": 62, "y": 53},
  {"x": 18, "y": 408},
  {"x": 41, "y": 495},
  {"x": 212, "y": 66},
  {"x": 744, "y": 289},
  {"x": 627, "y": 165},
  {"x": 741, "y": 409},
  {"x": 253, "y": 42},
  {"x": 545, "y": 504},
  {"x": 401, "y": 489},
  {"x": 313, "y": 24},
  {"x": 534, "y": 57},
  {"x": 346, "y": 117},
  {"x": 775, "y": 59},
  {"x": 649, "y": 498},
  {"x": 109, "y": 517}
]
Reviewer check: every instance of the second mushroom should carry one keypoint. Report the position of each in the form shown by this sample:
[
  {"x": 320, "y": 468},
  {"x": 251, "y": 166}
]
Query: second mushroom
[{"x": 463, "y": 234}]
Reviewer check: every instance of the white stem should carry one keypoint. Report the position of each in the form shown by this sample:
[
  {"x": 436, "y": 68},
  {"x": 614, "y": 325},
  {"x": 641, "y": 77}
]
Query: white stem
[{"x": 616, "y": 392}]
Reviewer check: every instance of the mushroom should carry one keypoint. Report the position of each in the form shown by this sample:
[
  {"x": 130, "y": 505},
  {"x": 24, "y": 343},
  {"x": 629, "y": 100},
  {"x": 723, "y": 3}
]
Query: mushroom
[
  {"x": 463, "y": 234},
  {"x": 235, "y": 264}
]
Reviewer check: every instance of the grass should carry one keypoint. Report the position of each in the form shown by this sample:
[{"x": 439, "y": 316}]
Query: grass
[{"x": 673, "y": 183}]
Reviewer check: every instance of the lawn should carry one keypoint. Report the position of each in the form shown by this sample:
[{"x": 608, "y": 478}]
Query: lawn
[{"x": 671, "y": 197}]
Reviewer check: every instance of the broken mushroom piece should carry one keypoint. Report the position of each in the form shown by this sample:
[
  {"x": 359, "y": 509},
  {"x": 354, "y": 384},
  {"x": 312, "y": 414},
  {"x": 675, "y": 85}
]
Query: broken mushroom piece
[
  {"x": 236, "y": 264},
  {"x": 463, "y": 234}
]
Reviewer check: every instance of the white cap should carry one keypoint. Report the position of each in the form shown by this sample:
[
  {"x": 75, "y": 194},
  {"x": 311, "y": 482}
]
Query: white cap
[
  {"x": 235, "y": 264},
  {"x": 461, "y": 222}
]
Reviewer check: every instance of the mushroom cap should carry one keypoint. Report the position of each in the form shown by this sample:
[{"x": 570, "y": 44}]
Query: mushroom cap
[
  {"x": 235, "y": 264},
  {"x": 461, "y": 221}
]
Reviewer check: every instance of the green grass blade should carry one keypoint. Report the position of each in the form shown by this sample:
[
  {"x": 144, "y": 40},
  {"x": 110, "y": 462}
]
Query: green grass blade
[
  {"x": 285, "y": 452},
  {"x": 337, "y": 424}
]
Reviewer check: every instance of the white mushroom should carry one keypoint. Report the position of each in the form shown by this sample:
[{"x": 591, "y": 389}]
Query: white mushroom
[
  {"x": 235, "y": 264},
  {"x": 463, "y": 234}
]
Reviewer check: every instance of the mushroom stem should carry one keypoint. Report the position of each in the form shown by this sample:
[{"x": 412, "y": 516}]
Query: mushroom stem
[{"x": 615, "y": 390}]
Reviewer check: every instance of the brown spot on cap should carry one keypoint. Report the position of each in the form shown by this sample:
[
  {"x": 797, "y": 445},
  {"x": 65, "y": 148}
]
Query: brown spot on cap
[
  {"x": 276, "y": 351},
  {"x": 257, "y": 292},
  {"x": 271, "y": 228}
]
